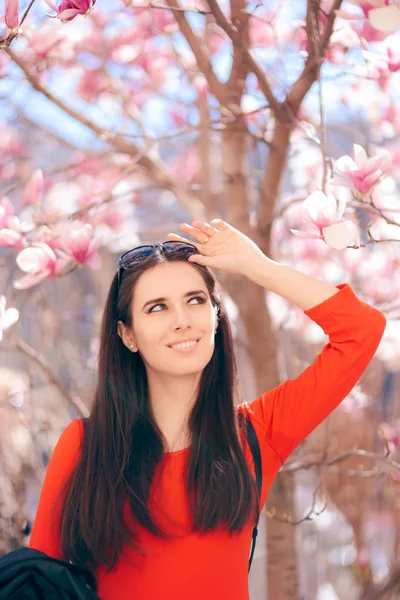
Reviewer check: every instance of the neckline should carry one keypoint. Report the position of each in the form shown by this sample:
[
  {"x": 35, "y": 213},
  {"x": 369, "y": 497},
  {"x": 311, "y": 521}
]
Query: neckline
[{"x": 177, "y": 452}]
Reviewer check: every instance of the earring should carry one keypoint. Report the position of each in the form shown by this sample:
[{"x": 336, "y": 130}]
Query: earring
[{"x": 131, "y": 346}]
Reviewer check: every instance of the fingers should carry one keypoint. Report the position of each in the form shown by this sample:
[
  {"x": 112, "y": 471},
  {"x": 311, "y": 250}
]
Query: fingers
[
  {"x": 173, "y": 237},
  {"x": 199, "y": 259},
  {"x": 220, "y": 224},
  {"x": 205, "y": 227},
  {"x": 201, "y": 233}
]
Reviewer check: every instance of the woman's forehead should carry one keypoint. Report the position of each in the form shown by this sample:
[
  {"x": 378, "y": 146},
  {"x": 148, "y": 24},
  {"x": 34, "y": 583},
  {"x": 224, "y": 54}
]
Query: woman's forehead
[{"x": 167, "y": 279}]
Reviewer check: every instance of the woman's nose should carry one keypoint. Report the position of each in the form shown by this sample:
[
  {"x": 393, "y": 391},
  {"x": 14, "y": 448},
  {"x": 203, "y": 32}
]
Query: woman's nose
[{"x": 181, "y": 319}]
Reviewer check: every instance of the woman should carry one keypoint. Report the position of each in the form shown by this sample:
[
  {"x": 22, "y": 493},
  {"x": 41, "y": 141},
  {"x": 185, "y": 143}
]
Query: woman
[{"x": 158, "y": 496}]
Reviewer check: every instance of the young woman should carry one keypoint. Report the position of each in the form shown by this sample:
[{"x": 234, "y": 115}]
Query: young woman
[{"x": 157, "y": 496}]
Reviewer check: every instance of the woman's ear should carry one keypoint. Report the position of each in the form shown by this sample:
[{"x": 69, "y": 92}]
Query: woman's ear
[{"x": 126, "y": 336}]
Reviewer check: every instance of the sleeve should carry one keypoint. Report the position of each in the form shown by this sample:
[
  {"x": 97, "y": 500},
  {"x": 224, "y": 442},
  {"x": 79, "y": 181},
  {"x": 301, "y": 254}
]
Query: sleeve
[
  {"x": 287, "y": 414},
  {"x": 63, "y": 461}
]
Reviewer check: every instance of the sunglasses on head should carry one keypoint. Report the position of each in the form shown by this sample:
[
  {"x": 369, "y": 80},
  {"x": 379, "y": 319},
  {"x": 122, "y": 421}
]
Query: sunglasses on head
[{"x": 140, "y": 252}]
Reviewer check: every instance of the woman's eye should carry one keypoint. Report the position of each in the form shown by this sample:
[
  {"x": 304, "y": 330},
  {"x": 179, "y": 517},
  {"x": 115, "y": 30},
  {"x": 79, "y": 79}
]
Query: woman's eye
[
  {"x": 200, "y": 298},
  {"x": 155, "y": 306}
]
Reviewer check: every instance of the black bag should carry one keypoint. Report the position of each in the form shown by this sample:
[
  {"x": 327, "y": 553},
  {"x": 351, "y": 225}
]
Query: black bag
[
  {"x": 28, "y": 574},
  {"x": 255, "y": 451}
]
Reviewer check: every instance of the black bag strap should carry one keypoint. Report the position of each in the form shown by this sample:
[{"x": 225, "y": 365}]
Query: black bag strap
[{"x": 256, "y": 453}]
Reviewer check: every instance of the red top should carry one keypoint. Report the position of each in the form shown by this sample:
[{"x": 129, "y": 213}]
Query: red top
[{"x": 214, "y": 565}]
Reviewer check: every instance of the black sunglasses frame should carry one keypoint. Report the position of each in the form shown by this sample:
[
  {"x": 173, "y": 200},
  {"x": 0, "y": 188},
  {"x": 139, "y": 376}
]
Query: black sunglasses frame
[{"x": 131, "y": 256}]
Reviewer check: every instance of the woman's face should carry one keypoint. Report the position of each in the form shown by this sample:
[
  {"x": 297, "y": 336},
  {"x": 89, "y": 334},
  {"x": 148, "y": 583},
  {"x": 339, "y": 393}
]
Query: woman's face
[{"x": 170, "y": 305}]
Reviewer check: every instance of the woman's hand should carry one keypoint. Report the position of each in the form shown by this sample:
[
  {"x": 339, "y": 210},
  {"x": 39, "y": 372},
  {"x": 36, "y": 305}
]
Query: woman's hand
[{"x": 220, "y": 246}]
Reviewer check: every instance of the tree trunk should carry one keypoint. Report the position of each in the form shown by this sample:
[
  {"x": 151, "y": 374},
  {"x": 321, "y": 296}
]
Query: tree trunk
[
  {"x": 251, "y": 301},
  {"x": 283, "y": 580}
]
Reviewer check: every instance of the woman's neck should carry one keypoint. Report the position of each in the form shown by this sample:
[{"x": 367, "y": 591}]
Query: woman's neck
[{"x": 172, "y": 399}]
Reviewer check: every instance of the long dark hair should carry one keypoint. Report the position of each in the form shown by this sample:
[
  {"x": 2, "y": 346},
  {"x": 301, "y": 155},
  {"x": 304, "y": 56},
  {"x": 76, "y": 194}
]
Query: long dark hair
[{"x": 123, "y": 445}]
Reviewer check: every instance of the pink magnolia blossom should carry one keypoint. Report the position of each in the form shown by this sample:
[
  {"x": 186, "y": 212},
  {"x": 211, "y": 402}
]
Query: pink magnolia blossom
[
  {"x": 385, "y": 18},
  {"x": 43, "y": 44},
  {"x": 79, "y": 242},
  {"x": 9, "y": 141},
  {"x": 10, "y": 227},
  {"x": 187, "y": 167},
  {"x": 33, "y": 192},
  {"x": 382, "y": 15},
  {"x": 69, "y": 9},
  {"x": 390, "y": 432},
  {"x": 7, "y": 213},
  {"x": 389, "y": 348},
  {"x": 40, "y": 262},
  {"x": 320, "y": 213},
  {"x": 370, "y": 34},
  {"x": 151, "y": 22},
  {"x": 11, "y": 17},
  {"x": 368, "y": 5},
  {"x": 391, "y": 118},
  {"x": 377, "y": 65},
  {"x": 360, "y": 172},
  {"x": 178, "y": 117},
  {"x": 12, "y": 239},
  {"x": 111, "y": 216},
  {"x": 93, "y": 83},
  {"x": 343, "y": 38},
  {"x": 380, "y": 66},
  {"x": 8, "y": 316},
  {"x": 262, "y": 30}
]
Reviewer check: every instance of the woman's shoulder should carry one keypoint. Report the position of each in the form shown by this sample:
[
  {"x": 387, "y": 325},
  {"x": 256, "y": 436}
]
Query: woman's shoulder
[
  {"x": 73, "y": 431},
  {"x": 252, "y": 411},
  {"x": 69, "y": 442}
]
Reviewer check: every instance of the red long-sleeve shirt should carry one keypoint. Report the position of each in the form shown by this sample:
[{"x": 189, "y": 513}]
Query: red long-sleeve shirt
[{"x": 214, "y": 565}]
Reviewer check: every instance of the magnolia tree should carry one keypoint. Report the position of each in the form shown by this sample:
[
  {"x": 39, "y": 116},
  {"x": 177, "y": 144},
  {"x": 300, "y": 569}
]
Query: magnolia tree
[{"x": 201, "y": 109}]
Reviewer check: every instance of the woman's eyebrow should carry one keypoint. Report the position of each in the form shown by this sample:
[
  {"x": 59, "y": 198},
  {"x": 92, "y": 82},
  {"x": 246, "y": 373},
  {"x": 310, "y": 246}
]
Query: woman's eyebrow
[{"x": 157, "y": 300}]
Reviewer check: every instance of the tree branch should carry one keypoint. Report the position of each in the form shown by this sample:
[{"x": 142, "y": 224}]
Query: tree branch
[
  {"x": 310, "y": 513},
  {"x": 31, "y": 353},
  {"x": 14, "y": 32},
  {"x": 330, "y": 465},
  {"x": 163, "y": 7},
  {"x": 200, "y": 52},
  {"x": 329, "y": 26},
  {"x": 155, "y": 170},
  {"x": 310, "y": 71},
  {"x": 235, "y": 36}
]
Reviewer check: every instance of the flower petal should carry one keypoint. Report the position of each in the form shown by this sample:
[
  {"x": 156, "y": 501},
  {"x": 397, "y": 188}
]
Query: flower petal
[
  {"x": 35, "y": 258},
  {"x": 344, "y": 164},
  {"x": 386, "y": 18},
  {"x": 10, "y": 317},
  {"x": 68, "y": 14},
  {"x": 11, "y": 239},
  {"x": 53, "y": 6},
  {"x": 306, "y": 234},
  {"x": 11, "y": 17},
  {"x": 348, "y": 15},
  {"x": 320, "y": 209},
  {"x": 342, "y": 235},
  {"x": 360, "y": 156},
  {"x": 30, "y": 280}
]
